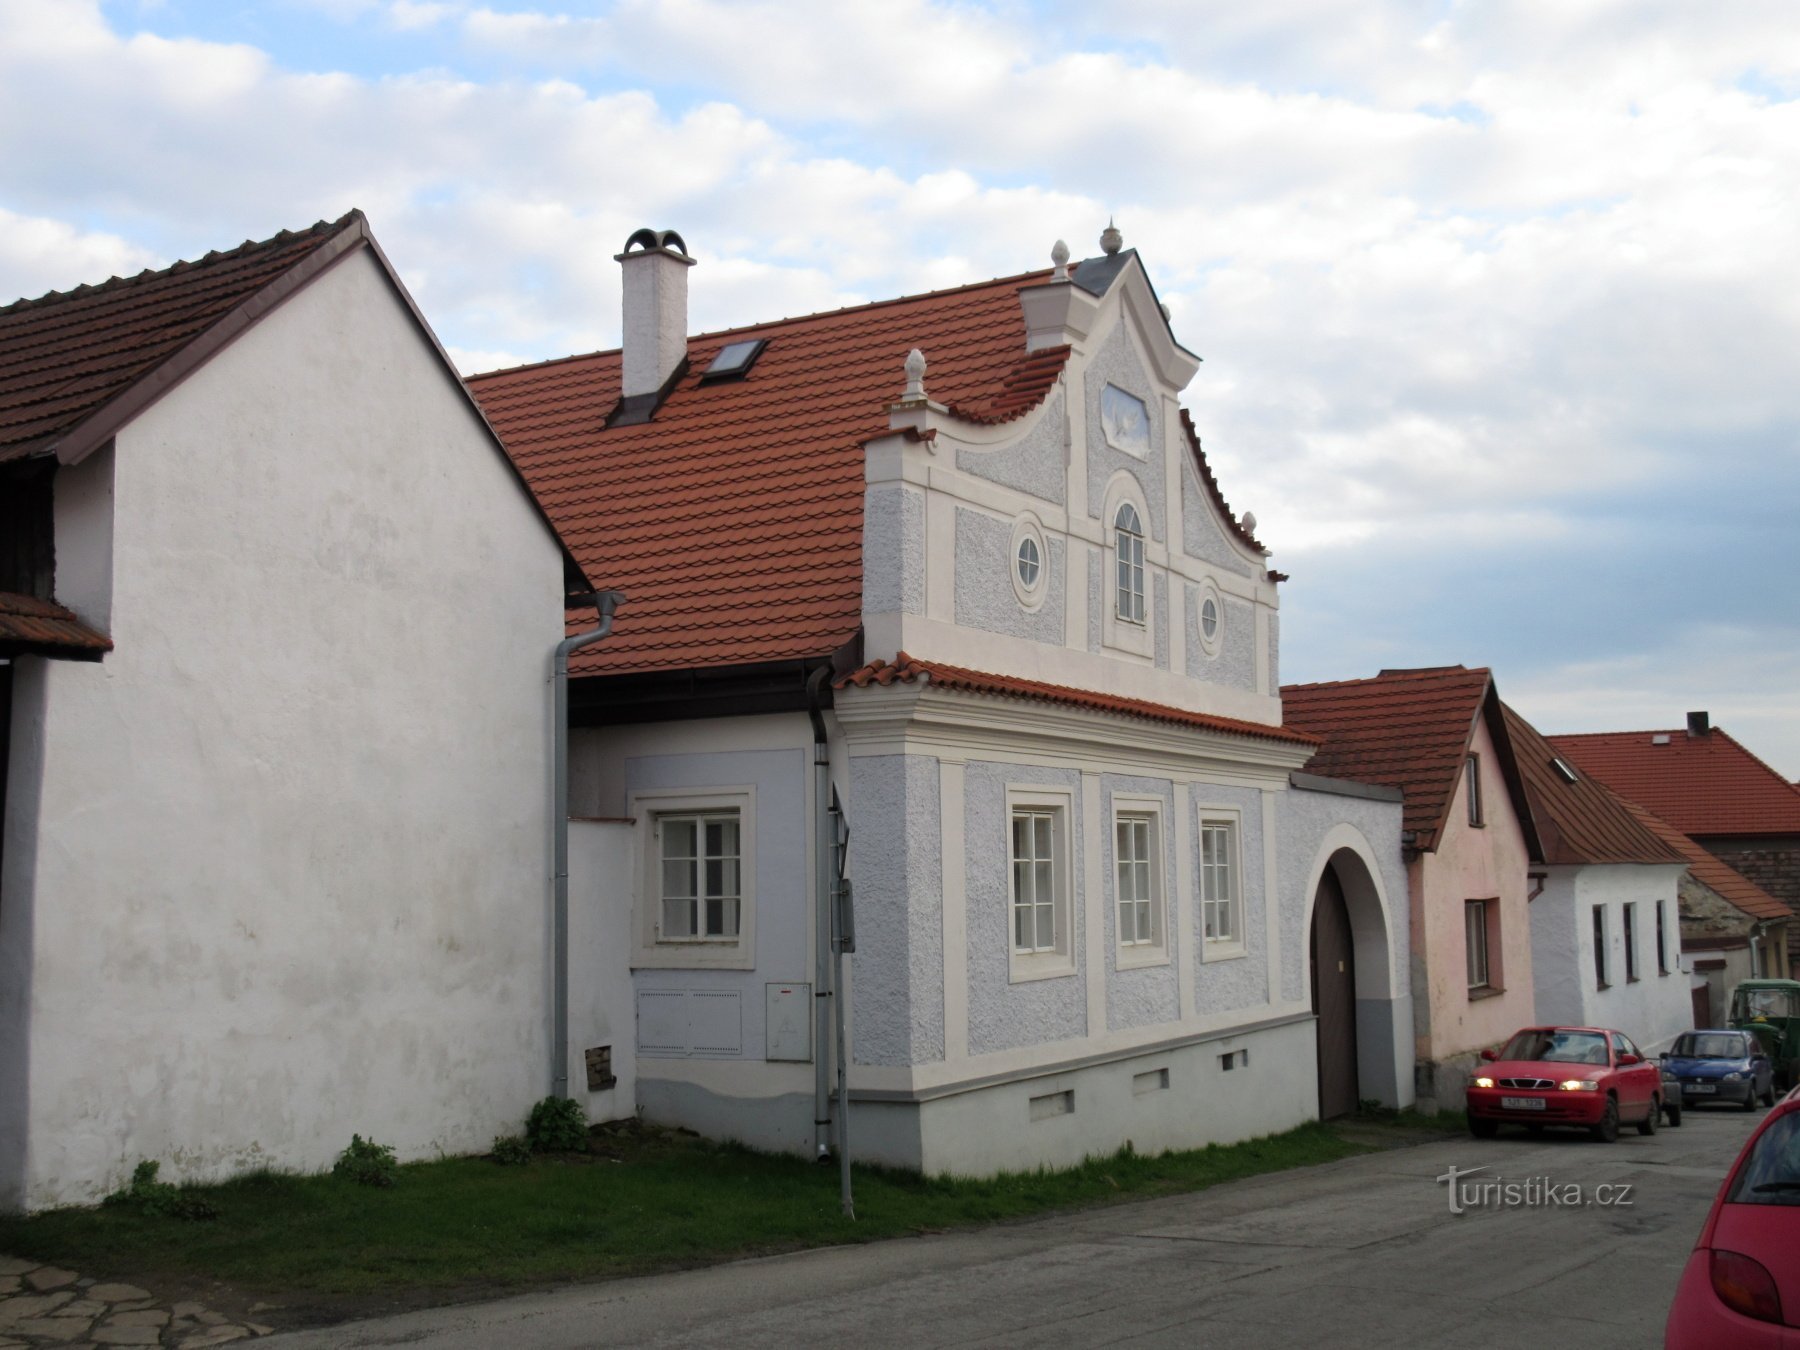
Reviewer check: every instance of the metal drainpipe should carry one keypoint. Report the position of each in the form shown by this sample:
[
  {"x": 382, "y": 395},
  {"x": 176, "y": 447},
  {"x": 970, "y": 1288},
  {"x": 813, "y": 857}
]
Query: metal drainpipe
[
  {"x": 605, "y": 602},
  {"x": 822, "y": 843}
]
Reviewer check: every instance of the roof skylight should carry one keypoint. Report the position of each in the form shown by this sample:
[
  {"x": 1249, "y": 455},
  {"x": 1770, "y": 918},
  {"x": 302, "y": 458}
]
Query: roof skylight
[{"x": 734, "y": 358}]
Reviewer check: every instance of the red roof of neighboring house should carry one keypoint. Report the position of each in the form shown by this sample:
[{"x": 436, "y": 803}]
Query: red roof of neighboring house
[
  {"x": 64, "y": 356},
  {"x": 1702, "y": 785},
  {"x": 732, "y": 519},
  {"x": 1409, "y": 729},
  {"x": 1580, "y": 821},
  {"x": 28, "y": 625},
  {"x": 1733, "y": 885},
  {"x": 908, "y": 669}
]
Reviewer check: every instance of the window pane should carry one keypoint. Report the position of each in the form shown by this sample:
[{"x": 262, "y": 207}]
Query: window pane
[
  {"x": 728, "y": 917},
  {"x": 678, "y": 838},
  {"x": 715, "y": 918},
  {"x": 1022, "y": 929},
  {"x": 1042, "y": 824},
  {"x": 721, "y": 838},
  {"x": 1144, "y": 932},
  {"x": 1046, "y": 926},
  {"x": 678, "y": 918},
  {"x": 1021, "y": 837},
  {"x": 1022, "y": 893},
  {"x": 1046, "y": 884},
  {"x": 678, "y": 877}
]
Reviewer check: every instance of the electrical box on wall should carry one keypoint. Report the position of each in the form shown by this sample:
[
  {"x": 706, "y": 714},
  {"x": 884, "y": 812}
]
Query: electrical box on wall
[{"x": 787, "y": 1022}]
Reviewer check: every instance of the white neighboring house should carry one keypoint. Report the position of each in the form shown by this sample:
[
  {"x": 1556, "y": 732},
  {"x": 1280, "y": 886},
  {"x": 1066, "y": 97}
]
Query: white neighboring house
[
  {"x": 275, "y": 866},
  {"x": 955, "y": 564},
  {"x": 1606, "y": 918}
]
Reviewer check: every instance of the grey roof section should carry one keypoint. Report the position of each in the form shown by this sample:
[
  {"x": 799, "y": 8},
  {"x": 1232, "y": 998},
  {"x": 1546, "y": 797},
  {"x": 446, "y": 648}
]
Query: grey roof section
[{"x": 1097, "y": 275}]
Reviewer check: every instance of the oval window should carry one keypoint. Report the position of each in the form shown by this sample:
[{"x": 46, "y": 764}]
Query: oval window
[
  {"x": 1209, "y": 618},
  {"x": 1029, "y": 562}
]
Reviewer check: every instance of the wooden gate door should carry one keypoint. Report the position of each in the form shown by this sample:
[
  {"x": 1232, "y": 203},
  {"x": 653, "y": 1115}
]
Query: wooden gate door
[{"x": 1334, "y": 998}]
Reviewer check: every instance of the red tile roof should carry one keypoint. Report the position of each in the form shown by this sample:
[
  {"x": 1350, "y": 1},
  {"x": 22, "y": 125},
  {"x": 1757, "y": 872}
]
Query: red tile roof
[
  {"x": 1579, "y": 822},
  {"x": 1726, "y": 880},
  {"x": 65, "y": 355},
  {"x": 1408, "y": 729},
  {"x": 908, "y": 669},
  {"x": 28, "y": 625},
  {"x": 733, "y": 518},
  {"x": 1702, "y": 785}
]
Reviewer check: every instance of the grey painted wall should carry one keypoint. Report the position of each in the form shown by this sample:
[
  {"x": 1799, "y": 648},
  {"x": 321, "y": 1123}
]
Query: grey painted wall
[
  {"x": 985, "y": 597},
  {"x": 779, "y": 777},
  {"x": 1004, "y": 1015},
  {"x": 1274, "y": 651},
  {"x": 894, "y": 550},
  {"x": 1148, "y": 994},
  {"x": 1115, "y": 363},
  {"x": 897, "y": 867},
  {"x": 1240, "y": 982},
  {"x": 1035, "y": 463},
  {"x": 1303, "y": 820},
  {"x": 1202, "y": 536},
  {"x": 1096, "y": 597}
]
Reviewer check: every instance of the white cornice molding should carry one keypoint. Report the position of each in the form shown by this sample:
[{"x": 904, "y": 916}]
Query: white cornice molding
[{"x": 912, "y": 715}]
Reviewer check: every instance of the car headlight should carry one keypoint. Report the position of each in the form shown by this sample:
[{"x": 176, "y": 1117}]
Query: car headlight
[
  {"x": 1484, "y": 1082},
  {"x": 1734, "y": 1078},
  {"x": 1579, "y": 1085}
]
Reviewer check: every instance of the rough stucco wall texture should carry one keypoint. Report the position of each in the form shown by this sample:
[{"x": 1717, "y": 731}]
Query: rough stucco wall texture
[
  {"x": 269, "y": 911},
  {"x": 1034, "y": 464},
  {"x": 1096, "y": 616},
  {"x": 1145, "y": 995},
  {"x": 1161, "y": 593},
  {"x": 1115, "y": 363},
  {"x": 1003, "y": 1015},
  {"x": 1201, "y": 534},
  {"x": 894, "y": 550},
  {"x": 898, "y": 967},
  {"x": 1304, "y": 819},
  {"x": 985, "y": 597},
  {"x": 1237, "y": 982}
]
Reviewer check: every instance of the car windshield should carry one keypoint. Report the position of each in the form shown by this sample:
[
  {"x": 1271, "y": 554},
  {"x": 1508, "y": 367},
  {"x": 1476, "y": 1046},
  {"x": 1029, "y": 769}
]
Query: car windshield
[
  {"x": 1709, "y": 1045},
  {"x": 1557, "y": 1047},
  {"x": 1771, "y": 1174},
  {"x": 1750, "y": 1003}
]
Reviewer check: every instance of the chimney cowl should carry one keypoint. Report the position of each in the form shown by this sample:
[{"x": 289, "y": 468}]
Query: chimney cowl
[
  {"x": 1699, "y": 724},
  {"x": 653, "y": 345}
]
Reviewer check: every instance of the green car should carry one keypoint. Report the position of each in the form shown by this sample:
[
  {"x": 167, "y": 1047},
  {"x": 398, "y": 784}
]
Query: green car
[{"x": 1771, "y": 1009}]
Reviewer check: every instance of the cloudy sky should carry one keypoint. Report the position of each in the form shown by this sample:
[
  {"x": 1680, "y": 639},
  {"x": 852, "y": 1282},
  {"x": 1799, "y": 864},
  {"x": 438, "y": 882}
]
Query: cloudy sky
[{"x": 1498, "y": 301}]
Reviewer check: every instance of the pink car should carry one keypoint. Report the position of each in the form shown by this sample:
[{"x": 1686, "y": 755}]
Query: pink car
[{"x": 1741, "y": 1287}]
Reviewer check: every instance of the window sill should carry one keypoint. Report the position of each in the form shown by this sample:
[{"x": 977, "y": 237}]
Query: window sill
[
  {"x": 1485, "y": 991},
  {"x": 1130, "y": 958},
  {"x": 1026, "y": 968},
  {"x": 1222, "y": 951}
]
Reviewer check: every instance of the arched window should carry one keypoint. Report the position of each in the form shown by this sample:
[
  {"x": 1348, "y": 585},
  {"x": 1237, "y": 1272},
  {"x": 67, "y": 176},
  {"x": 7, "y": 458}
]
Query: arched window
[{"x": 1128, "y": 545}]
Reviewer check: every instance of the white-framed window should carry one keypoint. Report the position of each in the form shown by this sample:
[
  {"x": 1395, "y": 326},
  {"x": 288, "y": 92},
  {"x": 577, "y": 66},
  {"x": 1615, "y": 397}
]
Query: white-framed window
[
  {"x": 1662, "y": 937},
  {"x": 696, "y": 878},
  {"x": 1209, "y": 618},
  {"x": 1472, "y": 787},
  {"x": 1221, "y": 895},
  {"x": 1630, "y": 933},
  {"x": 1128, "y": 564},
  {"x": 1475, "y": 943},
  {"x": 1138, "y": 893},
  {"x": 1040, "y": 931},
  {"x": 1030, "y": 565},
  {"x": 1600, "y": 963}
]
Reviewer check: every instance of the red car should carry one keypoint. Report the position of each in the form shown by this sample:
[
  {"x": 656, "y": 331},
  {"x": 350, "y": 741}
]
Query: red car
[
  {"x": 1741, "y": 1287},
  {"x": 1586, "y": 1076}
]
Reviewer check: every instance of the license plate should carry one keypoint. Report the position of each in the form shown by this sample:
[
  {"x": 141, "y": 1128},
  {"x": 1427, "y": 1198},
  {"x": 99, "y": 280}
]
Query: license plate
[
  {"x": 1522, "y": 1103},
  {"x": 1699, "y": 1087}
]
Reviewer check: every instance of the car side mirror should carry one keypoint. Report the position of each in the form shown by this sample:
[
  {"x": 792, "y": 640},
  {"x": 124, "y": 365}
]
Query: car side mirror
[
  {"x": 1489, "y": 1056},
  {"x": 1630, "y": 1059}
]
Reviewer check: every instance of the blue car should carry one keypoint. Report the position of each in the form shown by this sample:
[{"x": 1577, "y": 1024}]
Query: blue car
[{"x": 1721, "y": 1066}]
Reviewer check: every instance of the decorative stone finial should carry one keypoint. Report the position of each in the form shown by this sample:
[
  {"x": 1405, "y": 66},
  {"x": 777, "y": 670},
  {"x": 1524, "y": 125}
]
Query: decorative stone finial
[
  {"x": 915, "y": 375},
  {"x": 1248, "y": 521},
  {"x": 1059, "y": 254},
  {"x": 1111, "y": 241}
]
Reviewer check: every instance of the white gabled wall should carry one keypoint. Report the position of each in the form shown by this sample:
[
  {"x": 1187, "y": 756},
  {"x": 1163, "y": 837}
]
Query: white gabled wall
[{"x": 291, "y": 853}]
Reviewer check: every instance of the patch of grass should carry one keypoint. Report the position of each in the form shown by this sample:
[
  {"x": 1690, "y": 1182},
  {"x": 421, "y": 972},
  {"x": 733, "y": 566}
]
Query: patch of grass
[{"x": 644, "y": 1199}]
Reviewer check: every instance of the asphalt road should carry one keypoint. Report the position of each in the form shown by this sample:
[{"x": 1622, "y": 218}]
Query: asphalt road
[{"x": 1364, "y": 1252}]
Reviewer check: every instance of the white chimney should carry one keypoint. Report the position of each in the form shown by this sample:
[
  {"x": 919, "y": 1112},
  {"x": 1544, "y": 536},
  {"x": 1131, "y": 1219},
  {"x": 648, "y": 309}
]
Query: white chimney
[{"x": 655, "y": 264}]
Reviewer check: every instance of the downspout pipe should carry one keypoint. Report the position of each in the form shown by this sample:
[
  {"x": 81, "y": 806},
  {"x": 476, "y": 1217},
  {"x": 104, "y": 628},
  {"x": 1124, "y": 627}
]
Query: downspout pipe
[
  {"x": 605, "y": 603},
  {"x": 822, "y": 926}
]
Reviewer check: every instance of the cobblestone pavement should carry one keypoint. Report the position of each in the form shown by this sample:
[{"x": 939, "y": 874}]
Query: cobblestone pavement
[{"x": 48, "y": 1306}]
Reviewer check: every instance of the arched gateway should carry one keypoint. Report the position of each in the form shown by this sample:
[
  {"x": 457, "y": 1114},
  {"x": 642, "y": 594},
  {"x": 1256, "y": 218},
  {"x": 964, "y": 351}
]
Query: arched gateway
[{"x": 1363, "y": 1017}]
